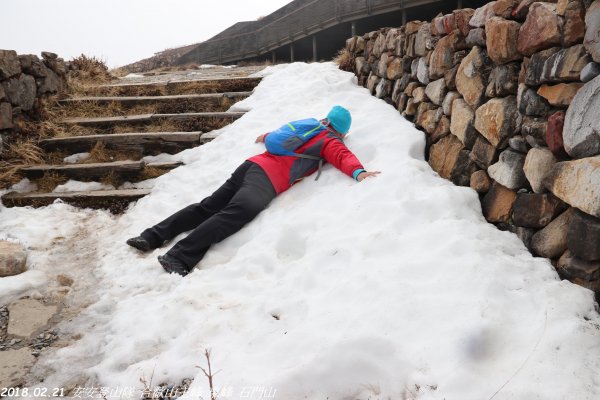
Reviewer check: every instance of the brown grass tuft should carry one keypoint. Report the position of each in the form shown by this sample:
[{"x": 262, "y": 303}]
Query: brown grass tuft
[
  {"x": 91, "y": 69},
  {"x": 25, "y": 151},
  {"x": 152, "y": 172},
  {"x": 98, "y": 154},
  {"x": 345, "y": 60},
  {"x": 50, "y": 181}
]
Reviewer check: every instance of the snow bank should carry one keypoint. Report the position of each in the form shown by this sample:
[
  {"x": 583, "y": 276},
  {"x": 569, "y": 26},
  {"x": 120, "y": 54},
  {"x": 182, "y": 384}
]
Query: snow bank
[{"x": 392, "y": 288}]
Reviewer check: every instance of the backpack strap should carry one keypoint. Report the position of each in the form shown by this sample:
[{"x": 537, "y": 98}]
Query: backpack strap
[{"x": 309, "y": 157}]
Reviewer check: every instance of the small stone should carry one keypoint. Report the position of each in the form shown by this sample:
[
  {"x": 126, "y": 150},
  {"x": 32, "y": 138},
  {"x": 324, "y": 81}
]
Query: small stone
[
  {"x": 442, "y": 129},
  {"x": 450, "y": 78},
  {"x": 483, "y": 153},
  {"x": 442, "y": 57},
  {"x": 530, "y": 103},
  {"x": 497, "y": 204},
  {"x": 577, "y": 183},
  {"x": 508, "y": 171},
  {"x": 436, "y": 91},
  {"x": 518, "y": 144},
  {"x": 482, "y": 15},
  {"x": 400, "y": 87},
  {"x": 411, "y": 107},
  {"x": 592, "y": 36},
  {"x": 49, "y": 56},
  {"x": 444, "y": 155},
  {"x": 503, "y": 80},
  {"x": 27, "y": 316},
  {"x": 419, "y": 95},
  {"x": 9, "y": 64},
  {"x": 462, "y": 18},
  {"x": 463, "y": 169},
  {"x": 501, "y": 40},
  {"x": 414, "y": 68},
  {"x": 560, "y": 95},
  {"x": 536, "y": 65},
  {"x": 573, "y": 267},
  {"x": 423, "y": 71},
  {"x": 538, "y": 164},
  {"x": 496, "y": 120},
  {"x": 383, "y": 89},
  {"x": 505, "y": 8},
  {"x": 583, "y": 237},
  {"x": 554, "y": 137},
  {"x": 394, "y": 69},
  {"x": 13, "y": 259},
  {"x": 361, "y": 66},
  {"x": 410, "y": 88},
  {"x": 447, "y": 103},
  {"x": 471, "y": 77},
  {"x": 64, "y": 280},
  {"x": 581, "y": 133},
  {"x": 372, "y": 83},
  {"x": 461, "y": 124},
  {"x": 535, "y": 210},
  {"x": 428, "y": 119},
  {"x": 541, "y": 29},
  {"x": 6, "y": 121},
  {"x": 50, "y": 84},
  {"x": 565, "y": 65},
  {"x": 476, "y": 37},
  {"x": 551, "y": 241},
  {"x": 423, "y": 40},
  {"x": 589, "y": 72},
  {"x": 480, "y": 181},
  {"x": 533, "y": 129},
  {"x": 382, "y": 65}
]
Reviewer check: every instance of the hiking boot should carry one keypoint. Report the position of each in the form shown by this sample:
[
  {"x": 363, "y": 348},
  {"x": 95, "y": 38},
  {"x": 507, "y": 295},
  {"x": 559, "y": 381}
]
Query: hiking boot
[
  {"x": 173, "y": 265},
  {"x": 140, "y": 243}
]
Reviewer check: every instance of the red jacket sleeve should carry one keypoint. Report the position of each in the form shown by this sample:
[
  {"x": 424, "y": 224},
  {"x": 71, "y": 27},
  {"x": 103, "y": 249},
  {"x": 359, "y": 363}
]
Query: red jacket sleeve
[{"x": 334, "y": 151}]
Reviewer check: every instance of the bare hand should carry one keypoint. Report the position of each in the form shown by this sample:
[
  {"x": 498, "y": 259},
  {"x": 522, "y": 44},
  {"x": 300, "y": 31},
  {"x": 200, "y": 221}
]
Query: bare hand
[
  {"x": 366, "y": 174},
  {"x": 260, "y": 138}
]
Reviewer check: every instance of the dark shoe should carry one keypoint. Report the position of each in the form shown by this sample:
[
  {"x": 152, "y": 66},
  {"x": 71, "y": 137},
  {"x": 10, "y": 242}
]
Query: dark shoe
[
  {"x": 173, "y": 265},
  {"x": 139, "y": 243}
]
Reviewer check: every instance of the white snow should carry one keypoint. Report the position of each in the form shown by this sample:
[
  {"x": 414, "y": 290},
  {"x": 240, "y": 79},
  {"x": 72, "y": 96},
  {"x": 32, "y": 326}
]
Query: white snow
[
  {"x": 78, "y": 186},
  {"x": 395, "y": 287},
  {"x": 75, "y": 158},
  {"x": 132, "y": 76},
  {"x": 23, "y": 186}
]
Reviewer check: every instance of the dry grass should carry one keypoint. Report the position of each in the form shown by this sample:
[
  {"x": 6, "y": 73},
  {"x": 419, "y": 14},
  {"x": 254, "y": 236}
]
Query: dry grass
[
  {"x": 345, "y": 60},
  {"x": 91, "y": 69},
  {"x": 152, "y": 172},
  {"x": 100, "y": 154},
  {"x": 50, "y": 181}
]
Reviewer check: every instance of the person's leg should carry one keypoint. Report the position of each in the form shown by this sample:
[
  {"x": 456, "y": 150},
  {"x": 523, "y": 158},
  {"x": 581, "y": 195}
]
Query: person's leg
[
  {"x": 254, "y": 196},
  {"x": 193, "y": 215}
]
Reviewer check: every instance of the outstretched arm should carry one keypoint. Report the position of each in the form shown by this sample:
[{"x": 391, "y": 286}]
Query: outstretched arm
[{"x": 336, "y": 153}]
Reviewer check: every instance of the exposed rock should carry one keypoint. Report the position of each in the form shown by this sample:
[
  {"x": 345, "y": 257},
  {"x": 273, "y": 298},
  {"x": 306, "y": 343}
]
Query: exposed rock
[
  {"x": 461, "y": 124},
  {"x": 450, "y": 78},
  {"x": 471, "y": 77},
  {"x": 401, "y": 102},
  {"x": 423, "y": 41},
  {"x": 14, "y": 365},
  {"x": 444, "y": 155},
  {"x": 480, "y": 181},
  {"x": 496, "y": 120},
  {"x": 531, "y": 103},
  {"x": 536, "y": 64},
  {"x": 541, "y": 29},
  {"x": 589, "y": 72},
  {"x": 383, "y": 89},
  {"x": 534, "y": 131},
  {"x": 50, "y": 84},
  {"x": 497, "y": 204},
  {"x": 482, "y": 15},
  {"x": 436, "y": 91},
  {"x": 391, "y": 39},
  {"x": 508, "y": 171},
  {"x": 414, "y": 68},
  {"x": 501, "y": 40},
  {"x": 505, "y": 8},
  {"x": 538, "y": 164},
  {"x": 423, "y": 71},
  {"x": 463, "y": 169},
  {"x": 551, "y": 241},
  {"x": 580, "y": 271},
  {"x": 5, "y": 116},
  {"x": 429, "y": 118},
  {"x": 49, "y": 56},
  {"x": 12, "y": 259},
  {"x": 360, "y": 45},
  {"x": 437, "y": 25},
  {"x": 399, "y": 87},
  {"x": 361, "y": 66},
  {"x": 592, "y": 32},
  {"x": 379, "y": 45},
  {"x": 583, "y": 237},
  {"x": 406, "y": 64},
  {"x": 521, "y": 11},
  {"x": 394, "y": 69},
  {"x": 31, "y": 64},
  {"x": 372, "y": 83},
  {"x": 351, "y": 44},
  {"x": 574, "y": 26},
  {"x": 559, "y": 95},
  {"x": 483, "y": 154},
  {"x": 554, "y": 134},
  {"x": 421, "y": 109},
  {"x": 26, "y": 316},
  {"x": 419, "y": 94},
  {"x": 535, "y": 210},
  {"x": 462, "y": 18},
  {"x": 476, "y": 37},
  {"x": 577, "y": 183},
  {"x": 382, "y": 65},
  {"x": 411, "y": 107},
  {"x": 447, "y": 103},
  {"x": 9, "y": 64},
  {"x": 503, "y": 80},
  {"x": 21, "y": 91},
  {"x": 442, "y": 129},
  {"x": 410, "y": 88},
  {"x": 565, "y": 65},
  {"x": 518, "y": 144},
  {"x": 442, "y": 57},
  {"x": 581, "y": 133}
]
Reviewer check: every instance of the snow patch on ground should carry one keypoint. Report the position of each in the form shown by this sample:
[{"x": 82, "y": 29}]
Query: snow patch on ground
[
  {"x": 78, "y": 186},
  {"x": 75, "y": 158},
  {"x": 392, "y": 288},
  {"x": 23, "y": 186}
]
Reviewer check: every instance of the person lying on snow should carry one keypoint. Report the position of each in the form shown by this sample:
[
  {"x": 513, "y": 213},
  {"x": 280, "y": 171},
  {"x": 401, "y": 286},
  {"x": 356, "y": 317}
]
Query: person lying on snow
[{"x": 294, "y": 151}]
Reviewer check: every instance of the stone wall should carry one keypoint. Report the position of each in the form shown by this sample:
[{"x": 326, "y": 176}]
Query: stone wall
[
  {"x": 508, "y": 96},
  {"x": 25, "y": 80}
]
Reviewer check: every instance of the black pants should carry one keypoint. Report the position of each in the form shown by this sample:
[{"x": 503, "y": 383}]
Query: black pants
[{"x": 241, "y": 198}]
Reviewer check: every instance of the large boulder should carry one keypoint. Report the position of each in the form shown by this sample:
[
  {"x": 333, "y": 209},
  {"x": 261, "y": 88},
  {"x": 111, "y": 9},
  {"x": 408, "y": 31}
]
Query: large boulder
[
  {"x": 12, "y": 259},
  {"x": 541, "y": 29},
  {"x": 496, "y": 120},
  {"x": 581, "y": 133},
  {"x": 503, "y": 80},
  {"x": 21, "y": 91},
  {"x": 501, "y": 40},
  {"x": 560, "y": 95},
  {"x": 551, "y": 242},
  {"x": 538, "y": 163},
  {"x": 472, "y": 76},
  {"x": 583, "y": 237},
  {"x": 497, "y": 204},
  {"x": 592, "y": 31},
  {"x": 442, "y": 57},
  {"x": 461, "y": 123},
  {"x": 577, "y": 183},
  {"x": 535, "y": 210},
  {"x": 508, "y": 171},
  {"x": 9, "y": 64}
]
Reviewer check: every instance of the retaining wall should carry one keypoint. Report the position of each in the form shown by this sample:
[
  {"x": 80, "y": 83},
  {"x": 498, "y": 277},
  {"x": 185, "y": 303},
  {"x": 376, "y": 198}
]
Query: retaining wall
[{"x": 509, "y": 98}]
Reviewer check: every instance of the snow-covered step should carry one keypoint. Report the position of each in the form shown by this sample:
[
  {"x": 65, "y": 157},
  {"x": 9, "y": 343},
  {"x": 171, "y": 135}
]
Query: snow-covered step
[
  {"x": 94, "y": 171},
  {"x": 142, "y": 142},
  {"x": 114, "y": 200},
  {"x": 149, "y": 118}
]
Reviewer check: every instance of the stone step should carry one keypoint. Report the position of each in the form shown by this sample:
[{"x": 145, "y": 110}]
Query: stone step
[
  {"x": 114, "y": 200},
  {"x": 143, "y": 143},
  {"x": 95, "y": 171},
  {"x": 134, "y": 100},
  {"x": 150, "y": 118},
  {"x": 200, "y": 86}
]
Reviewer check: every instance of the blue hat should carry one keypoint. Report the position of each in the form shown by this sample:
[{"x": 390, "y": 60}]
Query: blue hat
[{"x": 340, "y": 119}]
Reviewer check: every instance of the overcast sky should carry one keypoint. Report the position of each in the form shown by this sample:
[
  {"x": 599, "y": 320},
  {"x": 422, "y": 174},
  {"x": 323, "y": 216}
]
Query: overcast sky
[{"x": 119, "y": 31}]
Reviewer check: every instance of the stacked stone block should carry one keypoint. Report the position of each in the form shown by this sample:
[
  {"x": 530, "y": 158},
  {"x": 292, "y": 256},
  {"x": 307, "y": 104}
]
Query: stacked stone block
[{"x": 508, "y": 96}]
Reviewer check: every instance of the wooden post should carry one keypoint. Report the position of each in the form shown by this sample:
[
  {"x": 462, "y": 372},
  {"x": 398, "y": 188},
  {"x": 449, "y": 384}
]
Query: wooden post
[
  {"x": 314, "y": 43},
  {"x": 353, "y": 28},
  {"x": 273, "y": 56},
  {"x": 292, "y": 52}
]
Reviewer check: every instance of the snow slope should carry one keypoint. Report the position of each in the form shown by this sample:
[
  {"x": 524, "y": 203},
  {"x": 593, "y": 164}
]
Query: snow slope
[{"x": 395, "y": 287}]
